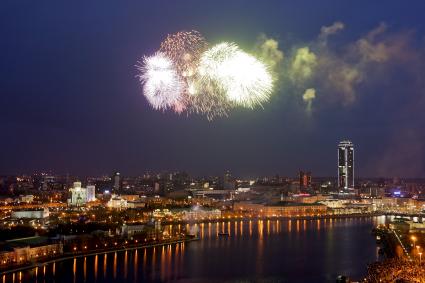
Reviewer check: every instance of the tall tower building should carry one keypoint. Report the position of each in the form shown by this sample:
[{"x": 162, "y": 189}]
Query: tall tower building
[
  {"x": 116, "y": 182},
  {"x": 346, "y": 165},
  {"x": 305, "y": 179},
  {"x": 228, "y": 181}
]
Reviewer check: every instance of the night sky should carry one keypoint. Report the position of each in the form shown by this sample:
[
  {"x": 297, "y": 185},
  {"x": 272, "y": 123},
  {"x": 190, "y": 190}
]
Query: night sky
[{"x": 70, "y": 101}]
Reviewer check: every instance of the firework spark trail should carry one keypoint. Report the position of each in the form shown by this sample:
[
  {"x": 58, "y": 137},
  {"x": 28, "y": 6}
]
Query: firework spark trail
[
  {"x": 184, "y": 49},
  {"x": 162, "y": 86},
  {"x": 207, "y": 99}
]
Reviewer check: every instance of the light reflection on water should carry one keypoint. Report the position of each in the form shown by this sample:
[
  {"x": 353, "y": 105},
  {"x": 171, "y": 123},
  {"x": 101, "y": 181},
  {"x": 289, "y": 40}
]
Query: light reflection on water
[{"x": 276, "y": 249}]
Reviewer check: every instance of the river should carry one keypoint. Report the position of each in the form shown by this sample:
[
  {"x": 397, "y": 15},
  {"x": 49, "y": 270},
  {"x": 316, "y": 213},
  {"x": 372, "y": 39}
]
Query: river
[{"x": 256, "y": 251}]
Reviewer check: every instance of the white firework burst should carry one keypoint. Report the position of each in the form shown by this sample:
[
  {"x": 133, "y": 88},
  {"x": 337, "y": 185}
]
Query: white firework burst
[
  {"x": 162, "y": 85},
  {"x": 244, "y": 80}
]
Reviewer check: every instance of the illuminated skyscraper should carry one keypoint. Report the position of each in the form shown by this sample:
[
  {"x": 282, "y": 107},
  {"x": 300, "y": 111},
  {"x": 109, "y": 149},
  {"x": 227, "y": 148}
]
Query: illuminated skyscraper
[
  {"x": 346, "y": 165},
  {"x": 116, "y": 182},
  {"x": 305, "y": 179}
]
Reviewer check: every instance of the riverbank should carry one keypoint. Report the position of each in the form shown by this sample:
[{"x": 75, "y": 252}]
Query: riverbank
[
  {"x": 291, "y": 217},
  {"x": 67, "y": 256}
]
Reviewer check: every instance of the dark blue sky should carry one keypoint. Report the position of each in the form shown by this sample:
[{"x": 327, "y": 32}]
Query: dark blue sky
[{"x": 70, "y": 101}]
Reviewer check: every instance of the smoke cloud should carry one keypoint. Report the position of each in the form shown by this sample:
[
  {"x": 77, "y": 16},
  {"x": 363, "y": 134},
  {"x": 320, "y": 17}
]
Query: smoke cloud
[
  {"x": 381, "y": 62},
  {"x": 267, "y": 50},
  {"x": 308, "y": 97},
  {"x": 326, "y": 31},
  {"x": 302, "y": 65}
]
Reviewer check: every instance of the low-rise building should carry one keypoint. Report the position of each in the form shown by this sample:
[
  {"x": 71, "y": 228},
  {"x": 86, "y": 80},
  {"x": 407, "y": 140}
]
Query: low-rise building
[
  {"x": 200, "y": 214},
  {"x": 22, "y": 251},
  {"x": 294, "y": 209},
  {"x": 281, "y": 208},
  {"x": 116, "y": 202},
  {"x": 41, "y": 213},
  {"x": 129, "y": 231},
  {"x": 26, "y": 198}
]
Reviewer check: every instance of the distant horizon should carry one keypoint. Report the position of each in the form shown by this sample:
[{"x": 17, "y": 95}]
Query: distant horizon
[{"x": 205, "y": 175}]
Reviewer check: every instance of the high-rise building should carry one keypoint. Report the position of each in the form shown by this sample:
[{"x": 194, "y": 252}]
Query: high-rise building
[
  {"x": 346, "y": 165},
  {"x": 116, "y": 179},
  {"x": 91, "y": 193},
  {"x": 228, "y": 181},
  {"x": 305, "y": 179}
]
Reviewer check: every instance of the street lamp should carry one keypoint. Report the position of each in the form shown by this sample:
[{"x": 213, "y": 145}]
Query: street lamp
[
  {"x": 414, "y": 241},
  {"x": 420, "y": 257}
]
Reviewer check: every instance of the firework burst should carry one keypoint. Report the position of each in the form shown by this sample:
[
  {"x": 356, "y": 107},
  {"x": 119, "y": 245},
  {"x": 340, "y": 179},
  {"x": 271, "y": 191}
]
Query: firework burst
[
  {"x": 184, "y": 49},
  {"x": 186, "y": 75},
  {"x": 162, "y": 85},
  {"x": 206, "y": 99},
  {"x": 243, "y": 79}
]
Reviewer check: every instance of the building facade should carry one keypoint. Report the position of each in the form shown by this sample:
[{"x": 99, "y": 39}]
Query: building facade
[
  {"x": 30, "y": 214},
  {"x": 305, "y": 179},
  {"x": 346, "y": 165},
  {"x": 80, "y": 196}
]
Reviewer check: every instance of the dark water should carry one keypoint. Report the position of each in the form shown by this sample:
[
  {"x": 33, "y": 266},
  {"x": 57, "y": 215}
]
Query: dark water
[{"x": 259, "y": 251}]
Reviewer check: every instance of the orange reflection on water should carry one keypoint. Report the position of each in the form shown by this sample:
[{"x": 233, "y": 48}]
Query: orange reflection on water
[
  {"x": 169, "y": 257},
  {"x": 162, "y": 270},
  {"x": 153, "y": 262},
  {"x": 201, "y": 232},
  {"x": 250, "y": 227},
  {"x": 125, "y": 264},
  {"x": 144, "y": 258},
  {"x": 85, "y": 268},
  {"x": 96, "y": 259},
  {"x": 176, "y": 260},
  {"x": 105, "y": 258},
  {"x": 136, "y": 259},
  {"x": 260, "y": 248},
  {"x": 260, "y": 228},
  {"x": 241, "y": 227},
  {"x": 74, "y": 268},
  {"x": 289, "y": 225},
  {"x": 115, "y": 265}
]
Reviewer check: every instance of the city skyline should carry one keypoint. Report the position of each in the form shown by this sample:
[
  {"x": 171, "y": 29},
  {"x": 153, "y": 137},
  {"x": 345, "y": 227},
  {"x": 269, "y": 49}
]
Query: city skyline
[
  {"x": 212, "y": 141},
  {"x": 73, "y": 102}
]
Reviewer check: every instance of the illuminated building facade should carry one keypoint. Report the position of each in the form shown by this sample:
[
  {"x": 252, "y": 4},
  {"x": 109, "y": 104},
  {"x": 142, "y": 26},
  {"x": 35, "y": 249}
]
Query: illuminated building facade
[
  {"x": 80, "y": 196},
  {"x": 305, "y": 179},
  {"x": 346, "y": 165}
]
